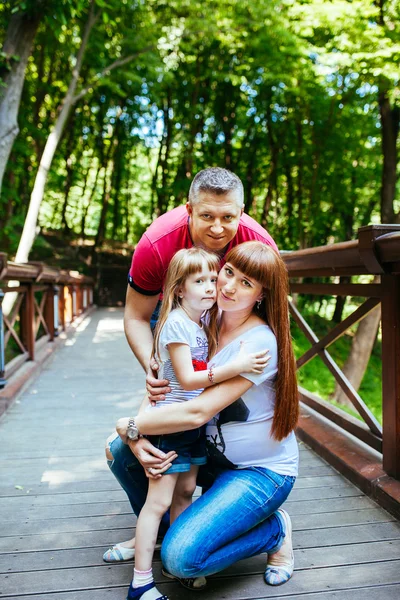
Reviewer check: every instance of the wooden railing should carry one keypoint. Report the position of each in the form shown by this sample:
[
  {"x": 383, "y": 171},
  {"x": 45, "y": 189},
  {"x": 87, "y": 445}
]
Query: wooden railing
[
  {"x": 45, "y": 302},
  {"x": 375, "y": 252}
]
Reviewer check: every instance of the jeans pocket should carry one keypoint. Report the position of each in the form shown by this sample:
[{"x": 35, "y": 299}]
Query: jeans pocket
[{"x": 277, "y": 479}]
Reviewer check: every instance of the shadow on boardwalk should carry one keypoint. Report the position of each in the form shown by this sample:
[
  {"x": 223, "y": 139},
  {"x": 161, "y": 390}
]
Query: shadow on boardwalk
[{"x": 61, "y": 508}]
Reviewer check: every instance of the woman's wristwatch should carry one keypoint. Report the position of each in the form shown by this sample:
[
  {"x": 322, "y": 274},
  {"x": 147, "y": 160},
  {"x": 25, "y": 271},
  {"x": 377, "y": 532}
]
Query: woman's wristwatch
[{"x": 133, "y": 432}]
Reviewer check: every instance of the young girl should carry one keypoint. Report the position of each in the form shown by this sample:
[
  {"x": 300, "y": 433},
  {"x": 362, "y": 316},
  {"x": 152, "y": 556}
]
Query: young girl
[{"x": 182, "y": 348}]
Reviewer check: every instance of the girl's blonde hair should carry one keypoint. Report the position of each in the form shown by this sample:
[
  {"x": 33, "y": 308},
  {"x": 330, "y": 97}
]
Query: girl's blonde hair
[
  {"x": 263, "y": 264},
  {"x": 184, "y": 263}
]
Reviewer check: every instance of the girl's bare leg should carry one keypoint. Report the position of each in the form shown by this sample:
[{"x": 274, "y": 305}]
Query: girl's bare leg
[
  {"x": 158, "y": 501},
  {"x": 184, "y": 491}
]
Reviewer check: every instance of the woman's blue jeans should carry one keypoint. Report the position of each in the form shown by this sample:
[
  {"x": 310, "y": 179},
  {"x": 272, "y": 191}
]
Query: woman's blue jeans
[{"x": 236, "y": 518}]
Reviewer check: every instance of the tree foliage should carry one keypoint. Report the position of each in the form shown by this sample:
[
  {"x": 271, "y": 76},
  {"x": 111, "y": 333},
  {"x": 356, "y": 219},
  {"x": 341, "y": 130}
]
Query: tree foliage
[{"x": 292, "y": 96}]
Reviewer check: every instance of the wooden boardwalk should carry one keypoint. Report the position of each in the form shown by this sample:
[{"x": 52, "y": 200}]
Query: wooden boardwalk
[{"x": 61, "y": 508}]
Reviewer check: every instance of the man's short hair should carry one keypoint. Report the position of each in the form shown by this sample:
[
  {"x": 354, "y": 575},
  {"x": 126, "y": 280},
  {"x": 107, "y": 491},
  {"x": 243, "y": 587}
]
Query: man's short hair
[{"x": 216, "y": 181}]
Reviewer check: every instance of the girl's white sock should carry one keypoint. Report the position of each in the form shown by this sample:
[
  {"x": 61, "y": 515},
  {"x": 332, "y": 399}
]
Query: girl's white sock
[{"x": 142, "y": 578}]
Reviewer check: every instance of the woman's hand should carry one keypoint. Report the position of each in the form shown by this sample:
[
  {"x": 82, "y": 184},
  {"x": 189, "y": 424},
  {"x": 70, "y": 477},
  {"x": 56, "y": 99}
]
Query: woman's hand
[
  {"x": 252, "y": 363},
  {"x": 156, "y": 388},
  {"x": 154, "y": 461}
]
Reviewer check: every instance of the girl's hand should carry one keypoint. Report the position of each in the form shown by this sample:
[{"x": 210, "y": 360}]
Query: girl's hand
[{"x": 252, "y": 363}]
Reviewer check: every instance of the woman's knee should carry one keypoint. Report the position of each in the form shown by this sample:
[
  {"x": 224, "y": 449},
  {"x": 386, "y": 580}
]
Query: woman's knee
[
  {"x": 110, "y": 439},
  {"x": 179, "y": 557}
]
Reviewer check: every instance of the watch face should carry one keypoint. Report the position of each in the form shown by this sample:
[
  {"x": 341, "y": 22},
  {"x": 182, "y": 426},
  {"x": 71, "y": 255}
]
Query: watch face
[{"x": 132, "y": 432}]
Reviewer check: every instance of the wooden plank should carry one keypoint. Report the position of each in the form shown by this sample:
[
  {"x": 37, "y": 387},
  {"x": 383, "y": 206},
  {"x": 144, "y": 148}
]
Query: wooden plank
[
  {"x": 60, "y": 488},
  {"x": 28, "y": 454},
  {"x": 75, "y": 498},
  {"x": 41, "y": 527},
  {"x": 53, "y": 477},
  {"x": 62, "y": 460},
  {"x": 351, "y": 517},
  {"x": 111, "y": 484},
  {"x": 59, "y": 541},
  {"x": 96, "y": 509},
  {"x": 310, "y": 538},
  {"x": 306, "y": 538},
  {"x": 346, "y": 554},
  {"x": 387, "y": 592},
  {"x": 302, "y": 521},
  {"x": 305, "y": 481},
  {"x": 56, "y": 476},
  {"x": 238, "y": 587}
]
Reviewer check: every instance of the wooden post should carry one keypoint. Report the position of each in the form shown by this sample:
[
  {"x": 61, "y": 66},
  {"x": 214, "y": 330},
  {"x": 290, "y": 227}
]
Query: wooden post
[
  {"x": 78, "y": 299},
  {"x": 61, "y": 306},
  {"x": 2, "y": 348},
  {"x": 56, "y": 309},
  {"x": 391, "y": 374},
  {"x": 27, "y": 316},
  {"x": 73, "y": 296},
  {"x": 68, "y": 305},
  {"x": 49, "y": 311}
]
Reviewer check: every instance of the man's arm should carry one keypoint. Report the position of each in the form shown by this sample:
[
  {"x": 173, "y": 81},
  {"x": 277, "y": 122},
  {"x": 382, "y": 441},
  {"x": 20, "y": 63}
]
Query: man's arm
[{"x": 138, "y": 311}]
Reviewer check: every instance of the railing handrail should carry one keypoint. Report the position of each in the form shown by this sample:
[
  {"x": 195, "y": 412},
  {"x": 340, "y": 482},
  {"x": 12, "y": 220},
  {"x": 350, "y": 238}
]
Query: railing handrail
[
  {"x": 376, "y": 251},
  {"x": 36, "y": 271},
  {"x": 46, "y": 300}
]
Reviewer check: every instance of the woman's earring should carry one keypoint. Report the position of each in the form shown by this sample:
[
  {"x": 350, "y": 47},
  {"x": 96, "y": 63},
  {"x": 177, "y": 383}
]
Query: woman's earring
[{"x": 258, "y": 304}]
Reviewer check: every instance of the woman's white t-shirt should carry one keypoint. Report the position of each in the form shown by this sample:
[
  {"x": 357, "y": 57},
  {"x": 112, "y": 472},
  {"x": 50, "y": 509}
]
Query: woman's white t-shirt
[{"x": 242, "y": 431}]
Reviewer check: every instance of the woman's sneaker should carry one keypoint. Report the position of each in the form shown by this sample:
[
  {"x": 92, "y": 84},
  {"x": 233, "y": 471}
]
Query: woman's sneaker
[{"x": 280, "y": 565}]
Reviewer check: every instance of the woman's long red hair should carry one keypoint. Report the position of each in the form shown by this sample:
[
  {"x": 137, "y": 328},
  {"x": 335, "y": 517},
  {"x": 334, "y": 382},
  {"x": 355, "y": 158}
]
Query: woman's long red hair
[{"x": 260, "y": 262}]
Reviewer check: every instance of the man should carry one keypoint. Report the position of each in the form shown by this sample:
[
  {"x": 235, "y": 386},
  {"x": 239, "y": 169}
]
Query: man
[{"x": 213, "y": 219}]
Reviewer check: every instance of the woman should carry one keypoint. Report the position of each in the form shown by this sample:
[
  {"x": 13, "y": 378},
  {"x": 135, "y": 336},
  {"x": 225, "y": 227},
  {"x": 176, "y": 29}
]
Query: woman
[{"x": 253, "y": 454}]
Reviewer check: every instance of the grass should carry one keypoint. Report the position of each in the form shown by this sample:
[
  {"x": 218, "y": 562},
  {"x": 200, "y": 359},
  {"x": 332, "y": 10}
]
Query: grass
[{"x": 315, "y": 376}]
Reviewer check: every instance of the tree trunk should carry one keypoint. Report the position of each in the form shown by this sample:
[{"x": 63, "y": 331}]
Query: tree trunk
[
  {"x": 162, "y": 192},
  {"x": 29, "y": 230},
  {"x": 273, "y": 169},
  {"x": 92, "y": 194},
  {"x": 361, "y": 348},
  {"x": 117, "y": 191},
  {"x": 363, "y": 341},
  {"x": 107, "y": 186},
  {"x": 18, "y": 43},
  {"x": 390, "y": 130},
  {"x": 68, "y": 177},
  {"x": 340, "y": 301},
  {"x": 300, "y": 178},
  {"x": 290, "y": 198}
]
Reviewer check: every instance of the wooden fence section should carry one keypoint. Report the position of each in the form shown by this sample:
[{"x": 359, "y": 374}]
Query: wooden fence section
[
  {"x": 375, "y": 252},
  {"x": 46, "y": 301}
]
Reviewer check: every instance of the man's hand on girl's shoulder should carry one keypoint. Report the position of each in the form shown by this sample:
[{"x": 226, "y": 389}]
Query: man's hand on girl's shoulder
[{"x": 156, "y": 388}]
